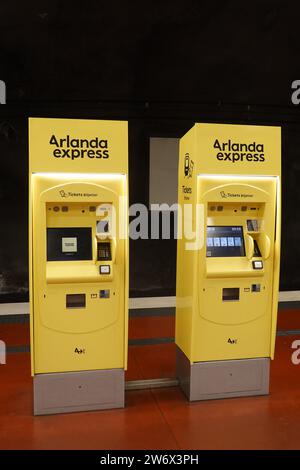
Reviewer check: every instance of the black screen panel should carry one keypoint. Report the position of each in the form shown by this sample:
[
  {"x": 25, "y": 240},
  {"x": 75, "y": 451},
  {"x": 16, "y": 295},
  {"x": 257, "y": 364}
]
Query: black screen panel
[
  {"x": 69, "y": 244},
  {"x": 75, "y": 301},
  {"x": 225, "y": 241}
]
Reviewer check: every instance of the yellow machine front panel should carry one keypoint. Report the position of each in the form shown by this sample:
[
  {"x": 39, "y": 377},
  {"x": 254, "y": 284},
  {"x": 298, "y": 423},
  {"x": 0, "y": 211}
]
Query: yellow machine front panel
[
  {"x": 79, "y": 271},
  {"x": 235, "y": 269}
]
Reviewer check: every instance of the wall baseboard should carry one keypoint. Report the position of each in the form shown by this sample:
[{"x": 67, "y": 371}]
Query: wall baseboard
[{"x": 18, "y": 308}]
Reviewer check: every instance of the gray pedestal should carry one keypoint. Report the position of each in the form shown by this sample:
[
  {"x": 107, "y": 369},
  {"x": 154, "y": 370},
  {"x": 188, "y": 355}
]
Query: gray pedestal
[
  {"x": 222, "y": 379},
  {"x": 78, "y": 391}
]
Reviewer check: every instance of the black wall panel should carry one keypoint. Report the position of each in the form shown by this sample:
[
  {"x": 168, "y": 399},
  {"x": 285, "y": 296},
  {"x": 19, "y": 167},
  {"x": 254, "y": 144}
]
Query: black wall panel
[{"x": 162, "y": 65}]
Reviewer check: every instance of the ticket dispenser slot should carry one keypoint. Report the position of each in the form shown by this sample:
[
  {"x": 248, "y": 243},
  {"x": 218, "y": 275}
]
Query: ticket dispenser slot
[
  {"x": 75, "y": 301},
  {"x": 230, "y": 294},
  {"x": 103, "y": 251},
  {"x": 78, "y": 264}
]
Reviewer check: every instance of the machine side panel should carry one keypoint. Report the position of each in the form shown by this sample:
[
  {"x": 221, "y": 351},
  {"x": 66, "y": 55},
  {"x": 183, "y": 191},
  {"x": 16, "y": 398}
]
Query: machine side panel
[
  {"x": 126, "y": 270},
  {"x": 185, "y": 258},
  {"x": 276, "y": 269},
  {"x": 30, "y": 259}
]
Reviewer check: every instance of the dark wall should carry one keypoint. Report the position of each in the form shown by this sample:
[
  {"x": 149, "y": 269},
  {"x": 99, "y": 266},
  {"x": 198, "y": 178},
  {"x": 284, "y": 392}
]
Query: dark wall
[
  {"x": 198, "y": 51},
  {"x": 162, "y": 65}
]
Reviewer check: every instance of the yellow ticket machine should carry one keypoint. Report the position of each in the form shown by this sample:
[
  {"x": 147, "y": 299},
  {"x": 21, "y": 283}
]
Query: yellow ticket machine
[
  {"x": 228, "y": 275},
  {"x": 78, "y": 246}
]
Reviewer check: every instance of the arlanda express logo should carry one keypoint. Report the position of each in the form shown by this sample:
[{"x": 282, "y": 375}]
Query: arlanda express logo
[
  {"x": 239, "y": 152},
  {"x": 73, "y": 148}
]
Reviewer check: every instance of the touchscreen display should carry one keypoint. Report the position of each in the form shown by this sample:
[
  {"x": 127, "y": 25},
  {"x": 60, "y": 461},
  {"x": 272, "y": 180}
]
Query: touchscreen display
[
  {"x": 224, "y": 241},
  {"x": 69, "y": 243}
]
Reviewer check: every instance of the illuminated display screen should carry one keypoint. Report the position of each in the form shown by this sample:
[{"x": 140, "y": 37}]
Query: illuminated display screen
[
  {"x": 224, "y": 241},
  {"x": 69, "y": 243}
]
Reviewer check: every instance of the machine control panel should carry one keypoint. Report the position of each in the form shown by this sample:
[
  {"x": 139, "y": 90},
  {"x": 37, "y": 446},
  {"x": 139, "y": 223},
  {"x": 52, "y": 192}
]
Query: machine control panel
[
  {"x": 238, "y": 232},
  {"x": 80, "y": 232}
]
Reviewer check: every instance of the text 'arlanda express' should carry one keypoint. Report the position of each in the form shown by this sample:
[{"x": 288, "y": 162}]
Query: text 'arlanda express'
[
  {"x": 73, "y": 148},
  {"x": 239, "y": 152}
]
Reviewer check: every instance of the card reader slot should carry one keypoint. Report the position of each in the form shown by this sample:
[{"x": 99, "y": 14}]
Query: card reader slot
[{"x": 103, "y": 251}]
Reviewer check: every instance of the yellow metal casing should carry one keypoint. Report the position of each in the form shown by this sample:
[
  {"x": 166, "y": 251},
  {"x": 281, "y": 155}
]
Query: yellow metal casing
[
  {"x": 232, "y": 172},
  {"x": 78, "y": 177}
]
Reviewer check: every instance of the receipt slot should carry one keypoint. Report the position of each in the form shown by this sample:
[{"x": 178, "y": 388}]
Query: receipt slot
[
  {"x": 78, "y": 203},
  {"x": 227, "y": 284}
]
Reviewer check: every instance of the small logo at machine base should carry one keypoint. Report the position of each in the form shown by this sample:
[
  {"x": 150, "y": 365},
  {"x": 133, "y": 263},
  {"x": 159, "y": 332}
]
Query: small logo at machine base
[
  {"x": 79, "y": 351},
  {"x": 232, "y": 341}
]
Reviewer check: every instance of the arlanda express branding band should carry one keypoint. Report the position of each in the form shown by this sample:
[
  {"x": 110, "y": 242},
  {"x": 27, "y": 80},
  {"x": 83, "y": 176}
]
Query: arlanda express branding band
[
  {"x": 69, "y": 147},
  {"x": 239, "y": 152}
]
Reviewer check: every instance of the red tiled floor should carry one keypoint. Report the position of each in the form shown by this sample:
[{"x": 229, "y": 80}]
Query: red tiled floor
[
  {"x": 161, "y": 418},
  {"x": 15, "y": 334},
  {"x": 269, "y": 422},
  {"x": 133, "y": 370},
  {"x": 288, "y": 320},
  {"x": 158, "y": 419},
  {"x": 151, "y": 327},
  {"x": 138, "y": 426},
  {"x": 155, "y": 361}
]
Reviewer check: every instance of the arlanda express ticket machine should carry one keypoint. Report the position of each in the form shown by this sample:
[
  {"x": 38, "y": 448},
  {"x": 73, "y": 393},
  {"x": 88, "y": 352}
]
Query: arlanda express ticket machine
[
  {"x": 227, "y": 286},
  {"x": 78, "y": 263}
]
